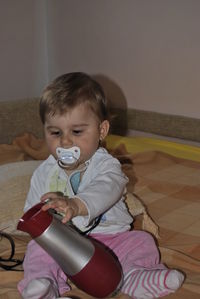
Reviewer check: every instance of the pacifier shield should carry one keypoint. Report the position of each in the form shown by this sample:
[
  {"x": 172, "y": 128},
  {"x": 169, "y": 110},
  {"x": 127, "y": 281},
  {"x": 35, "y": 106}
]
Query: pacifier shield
[{"x": 67, "y": 156}]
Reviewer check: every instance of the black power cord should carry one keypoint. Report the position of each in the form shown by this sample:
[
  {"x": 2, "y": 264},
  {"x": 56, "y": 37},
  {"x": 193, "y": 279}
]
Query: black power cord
[{"x": 9, "y": 263}]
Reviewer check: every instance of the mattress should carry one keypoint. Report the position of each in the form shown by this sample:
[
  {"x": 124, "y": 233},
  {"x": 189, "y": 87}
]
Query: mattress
[{"x": 164, "y": 176}]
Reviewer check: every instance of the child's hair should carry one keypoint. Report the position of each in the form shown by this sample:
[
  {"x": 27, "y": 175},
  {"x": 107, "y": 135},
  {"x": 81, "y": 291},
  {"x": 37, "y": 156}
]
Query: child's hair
[{"x": 70, "y": 90}]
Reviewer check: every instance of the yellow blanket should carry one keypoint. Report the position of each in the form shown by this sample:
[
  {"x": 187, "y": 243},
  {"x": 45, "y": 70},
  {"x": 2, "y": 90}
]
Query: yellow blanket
[{"x": 163, "y": 179}]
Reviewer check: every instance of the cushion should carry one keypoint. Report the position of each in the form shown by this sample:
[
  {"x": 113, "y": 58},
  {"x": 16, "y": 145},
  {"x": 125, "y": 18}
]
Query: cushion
[{"x": 14, "y": 185}]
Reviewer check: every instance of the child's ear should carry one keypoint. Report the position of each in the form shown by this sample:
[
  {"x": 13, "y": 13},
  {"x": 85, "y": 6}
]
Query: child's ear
[{"x": 104, "y": 129}]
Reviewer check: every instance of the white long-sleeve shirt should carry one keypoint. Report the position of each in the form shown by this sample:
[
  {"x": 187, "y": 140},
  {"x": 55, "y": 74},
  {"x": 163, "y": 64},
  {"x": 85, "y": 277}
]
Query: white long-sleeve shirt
[{"x": 101, "y": 189}]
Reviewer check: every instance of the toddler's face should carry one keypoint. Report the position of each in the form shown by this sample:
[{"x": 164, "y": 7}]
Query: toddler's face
[{"x": 77, "y": 127}]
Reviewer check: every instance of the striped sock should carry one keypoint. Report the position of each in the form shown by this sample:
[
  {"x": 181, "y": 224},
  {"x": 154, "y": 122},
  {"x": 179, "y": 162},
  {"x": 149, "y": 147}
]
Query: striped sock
[{"x": 142, "y": 284}]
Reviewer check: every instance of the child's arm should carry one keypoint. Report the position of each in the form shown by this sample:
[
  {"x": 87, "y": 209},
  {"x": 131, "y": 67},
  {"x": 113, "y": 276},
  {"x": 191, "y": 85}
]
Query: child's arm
[
  {"x": 69, "y": 207},
  {"x": 103, "y": 191}
]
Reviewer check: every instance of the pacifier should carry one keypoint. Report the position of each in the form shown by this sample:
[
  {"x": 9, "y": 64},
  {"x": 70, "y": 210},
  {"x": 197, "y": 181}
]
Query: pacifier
[{"x": 67, "y": 156}]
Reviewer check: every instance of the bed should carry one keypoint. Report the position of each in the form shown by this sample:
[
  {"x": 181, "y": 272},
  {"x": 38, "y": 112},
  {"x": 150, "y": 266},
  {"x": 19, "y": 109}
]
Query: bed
[{"x": 163, "y": 195}]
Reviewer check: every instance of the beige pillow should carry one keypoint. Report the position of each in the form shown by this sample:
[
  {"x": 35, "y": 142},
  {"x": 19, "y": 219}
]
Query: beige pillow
[{"x": 14, "y": 186}]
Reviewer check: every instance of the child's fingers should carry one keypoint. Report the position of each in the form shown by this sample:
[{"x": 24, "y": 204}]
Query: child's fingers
[
  {"x": 61, "y": 204},
  {"x": 49, "y": 205},
  {"x": 68, "y": 215},
  {"x": 50, "y": 195}
]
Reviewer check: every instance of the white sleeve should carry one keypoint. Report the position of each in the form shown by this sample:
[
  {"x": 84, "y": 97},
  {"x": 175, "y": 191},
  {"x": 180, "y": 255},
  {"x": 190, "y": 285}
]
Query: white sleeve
[{"x": 104, "y": 190}]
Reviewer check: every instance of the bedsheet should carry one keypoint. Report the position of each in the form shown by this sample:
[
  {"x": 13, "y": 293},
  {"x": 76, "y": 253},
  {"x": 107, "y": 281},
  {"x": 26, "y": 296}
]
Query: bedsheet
[{"x": 167, "y": 182}]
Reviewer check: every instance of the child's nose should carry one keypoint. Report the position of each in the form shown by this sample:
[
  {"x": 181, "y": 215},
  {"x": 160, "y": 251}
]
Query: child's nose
[{"x": 66, "y": 141}]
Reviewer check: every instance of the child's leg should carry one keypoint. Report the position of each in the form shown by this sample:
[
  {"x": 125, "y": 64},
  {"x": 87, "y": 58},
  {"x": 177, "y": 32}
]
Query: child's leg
[
  {"x": 136, "y": 248},
  {"x": 144, "y": 275},
  {"x": 41, "y": 273}
]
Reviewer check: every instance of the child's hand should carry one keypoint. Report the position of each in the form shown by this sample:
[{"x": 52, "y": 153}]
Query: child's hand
[{"x": 62, "y": 204}]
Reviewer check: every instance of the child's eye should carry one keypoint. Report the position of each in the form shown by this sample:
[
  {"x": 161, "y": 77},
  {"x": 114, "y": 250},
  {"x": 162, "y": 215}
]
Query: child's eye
[
  {"x": 77, "y": 132},
  {"x": 55, "y": 133}
]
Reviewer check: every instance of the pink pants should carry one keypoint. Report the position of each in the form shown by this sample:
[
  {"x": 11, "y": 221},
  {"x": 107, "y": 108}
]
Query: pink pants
[{"x": 134, "y": 249}]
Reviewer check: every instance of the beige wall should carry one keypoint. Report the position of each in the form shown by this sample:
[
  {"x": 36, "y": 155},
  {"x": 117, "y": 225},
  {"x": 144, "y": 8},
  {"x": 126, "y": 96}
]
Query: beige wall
[
  {"x": 145, "y": 52},
  {"x": 23, "y": 59}
]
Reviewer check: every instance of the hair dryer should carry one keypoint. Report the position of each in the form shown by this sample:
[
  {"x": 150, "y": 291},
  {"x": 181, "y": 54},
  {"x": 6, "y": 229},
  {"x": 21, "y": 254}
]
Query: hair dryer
[{"x": 87, "y": 263}]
